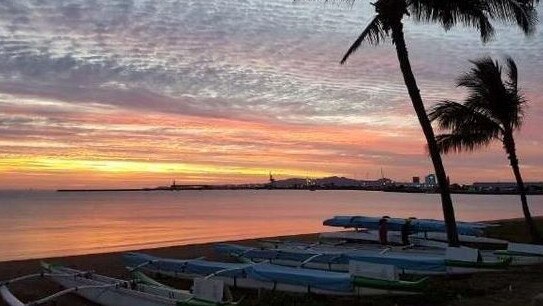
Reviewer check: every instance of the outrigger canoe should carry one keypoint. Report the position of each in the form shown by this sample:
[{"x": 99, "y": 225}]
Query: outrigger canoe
[
  {"x": 106, "y": 291},
  {"x": 395, "y": 224},
  {"x": 516, "y": 254},
  {"x": 273, "y": 277},
  {"x": 338, "y": 259}
]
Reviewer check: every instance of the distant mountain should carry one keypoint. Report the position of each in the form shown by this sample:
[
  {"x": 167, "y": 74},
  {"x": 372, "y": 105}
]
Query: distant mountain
[
  {"x": 292, "y": 182},
  {"x": 338, "y": 181}
]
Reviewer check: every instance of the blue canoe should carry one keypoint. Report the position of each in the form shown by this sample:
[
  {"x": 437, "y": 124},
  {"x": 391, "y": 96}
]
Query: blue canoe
[
  {"x": 275, "y": 276},
  {"x": 395, "y": 224},
  {"x": 325, "y": 280}
]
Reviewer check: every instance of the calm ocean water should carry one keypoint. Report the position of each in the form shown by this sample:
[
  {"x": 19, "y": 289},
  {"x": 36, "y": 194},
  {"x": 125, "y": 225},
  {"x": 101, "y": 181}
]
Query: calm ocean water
[{"x": 36, "y": 224}]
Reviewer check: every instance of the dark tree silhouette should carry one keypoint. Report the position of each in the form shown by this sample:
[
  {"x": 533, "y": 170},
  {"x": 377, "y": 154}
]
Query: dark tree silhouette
[
  {"x": 492, "y": 111},
  {"x": 388, "y": 22}
]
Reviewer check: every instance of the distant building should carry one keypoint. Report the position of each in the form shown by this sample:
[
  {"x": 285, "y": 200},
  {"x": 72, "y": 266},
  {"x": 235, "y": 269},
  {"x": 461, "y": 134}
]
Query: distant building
[
  {"x": 430, "y": 180},
  {"x": 416, "y": 180},
  {"x": 174, "y": 186},
  {"x": 271, "y": 184},
  {"x": 506, "y": 186},
  {"x": 371, "y": 183},
  {"x": 385, "y": 181},
  {"x": 272, "y": 180}
]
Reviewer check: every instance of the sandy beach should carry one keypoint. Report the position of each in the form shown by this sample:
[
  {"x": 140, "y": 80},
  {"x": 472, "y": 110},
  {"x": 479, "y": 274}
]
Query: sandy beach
[
  {"x": 106, "y": 263},
  {"x": 513, "y": 287}
]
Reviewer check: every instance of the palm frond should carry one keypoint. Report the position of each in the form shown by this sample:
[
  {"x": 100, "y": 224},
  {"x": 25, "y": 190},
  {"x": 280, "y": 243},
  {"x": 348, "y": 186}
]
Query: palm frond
[
  {"x": 518, "y": 102},
  {"x": 453, "y": 12},
  {"x": 447, "y": 114},
  {"x": 492, "y": 109},
  {"x": 462, "y": 142},
  {"x": 374, "y": 33},
  {"x": 487, "y": 91},
  {"x": 520, "y": 12},
  {"x": 512, "y": 74},
  {"x": 478, "y": 100},
  {"x": 485, "y": 73},
  {"x": 476, "y": 13},
  {"x": 514, "y": 94},
  {"x": 456, "y": 117},
  {"x": 490, "y": 94}
]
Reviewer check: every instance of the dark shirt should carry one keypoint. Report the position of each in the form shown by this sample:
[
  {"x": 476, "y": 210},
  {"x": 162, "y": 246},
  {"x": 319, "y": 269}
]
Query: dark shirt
[
  {"x": 383, "y": 233},
  {"x": 405, "y": 233}
]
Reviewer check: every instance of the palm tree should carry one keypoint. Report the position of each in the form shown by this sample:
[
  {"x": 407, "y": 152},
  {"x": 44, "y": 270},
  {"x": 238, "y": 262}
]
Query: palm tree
[
  {"x": 388, "y": 21},
  {"x": 492, "y": 111}
]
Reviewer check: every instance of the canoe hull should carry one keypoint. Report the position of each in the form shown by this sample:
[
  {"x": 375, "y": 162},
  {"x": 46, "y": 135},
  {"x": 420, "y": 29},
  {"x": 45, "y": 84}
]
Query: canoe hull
[{"x": 256, "y": 284}]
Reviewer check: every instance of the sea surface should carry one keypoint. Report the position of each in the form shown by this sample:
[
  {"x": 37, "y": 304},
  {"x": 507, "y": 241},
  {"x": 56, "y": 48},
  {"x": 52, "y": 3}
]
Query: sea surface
[{"x": 36, "y": 224}]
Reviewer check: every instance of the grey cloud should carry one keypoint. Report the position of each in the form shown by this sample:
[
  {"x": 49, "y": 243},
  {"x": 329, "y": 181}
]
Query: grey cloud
[
  {"x": 184, "y": 49},
  {"x": 255, "y": 58}
]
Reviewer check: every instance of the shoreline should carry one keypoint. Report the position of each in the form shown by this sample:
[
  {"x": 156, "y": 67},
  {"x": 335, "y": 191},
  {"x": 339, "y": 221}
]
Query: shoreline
[
  {"x": 89, "y": 261},
  {"x": 393, "y": 190},
  {"x": 250, "y": 241}
]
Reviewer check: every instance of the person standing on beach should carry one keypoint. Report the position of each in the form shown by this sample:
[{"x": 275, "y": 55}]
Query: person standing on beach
[
  {"x": 383, "y": 231},
  {"x": 406, "y": 230}
]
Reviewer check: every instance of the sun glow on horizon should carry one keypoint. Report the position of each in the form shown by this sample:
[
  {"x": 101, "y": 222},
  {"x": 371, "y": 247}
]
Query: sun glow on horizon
[{"x": 124, "y": 167}]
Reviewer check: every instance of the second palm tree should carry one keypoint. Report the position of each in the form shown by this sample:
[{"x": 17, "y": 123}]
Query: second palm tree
[{"x": 493, "y": 110}]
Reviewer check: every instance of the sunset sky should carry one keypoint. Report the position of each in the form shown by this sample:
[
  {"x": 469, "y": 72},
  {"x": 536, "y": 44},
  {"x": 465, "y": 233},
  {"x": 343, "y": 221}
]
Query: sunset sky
[{"x": 97, "y": 93}]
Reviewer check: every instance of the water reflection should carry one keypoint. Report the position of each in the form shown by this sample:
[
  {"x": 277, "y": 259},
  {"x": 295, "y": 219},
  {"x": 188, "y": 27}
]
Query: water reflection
[{"x": 41, "y": 224}]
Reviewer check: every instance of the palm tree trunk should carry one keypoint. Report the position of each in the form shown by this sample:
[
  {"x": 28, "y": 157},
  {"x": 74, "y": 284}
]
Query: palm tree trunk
[
  {"x": 416, "y": 99},
  {"x": 509, "y": 143}
]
